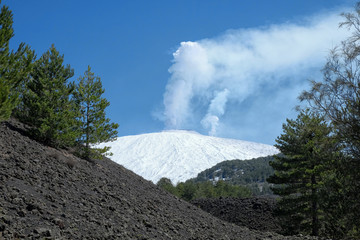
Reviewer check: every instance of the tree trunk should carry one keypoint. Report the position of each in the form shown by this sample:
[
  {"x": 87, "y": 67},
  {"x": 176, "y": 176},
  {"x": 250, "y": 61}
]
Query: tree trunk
[
  {"x": 314, "y": 208},
  {"x": 87, "y": 133}
]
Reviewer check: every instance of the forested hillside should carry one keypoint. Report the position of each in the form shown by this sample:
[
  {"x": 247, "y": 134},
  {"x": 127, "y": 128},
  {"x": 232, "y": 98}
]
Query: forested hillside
[{"x": 250, "y": 173}]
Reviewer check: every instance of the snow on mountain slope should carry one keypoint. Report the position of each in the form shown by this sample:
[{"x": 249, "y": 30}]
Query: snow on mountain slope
[{"x": 180, "y": 155}]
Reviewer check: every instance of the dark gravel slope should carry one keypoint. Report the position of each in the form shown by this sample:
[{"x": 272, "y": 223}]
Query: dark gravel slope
[
  {"x": 255, "y": 213},
  {"x": 49, "y": 194}
]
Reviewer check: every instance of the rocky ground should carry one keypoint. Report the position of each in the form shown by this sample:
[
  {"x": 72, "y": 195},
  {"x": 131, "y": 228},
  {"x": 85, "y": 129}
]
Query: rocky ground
[
  {"x": 255, "y": 213},
  {"x": 49, "y": 194}
]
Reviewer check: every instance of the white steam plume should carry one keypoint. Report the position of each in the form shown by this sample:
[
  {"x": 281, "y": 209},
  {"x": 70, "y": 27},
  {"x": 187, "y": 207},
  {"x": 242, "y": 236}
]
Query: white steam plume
[
  {"x": 190, "y": 75},
  {"x": 244, "y": 67},
  {"x": 216, "y": 110}
]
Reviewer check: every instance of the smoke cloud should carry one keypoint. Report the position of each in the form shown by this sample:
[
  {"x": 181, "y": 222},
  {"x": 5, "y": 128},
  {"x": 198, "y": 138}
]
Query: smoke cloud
[{"x": 247, "y": 78}]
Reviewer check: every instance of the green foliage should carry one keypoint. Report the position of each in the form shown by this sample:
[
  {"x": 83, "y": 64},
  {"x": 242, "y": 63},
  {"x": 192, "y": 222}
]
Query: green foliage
[
  {"x": 46, "y": 103},
  {"x": 14, "y": 66},
  {"x": 191, "y": 190},
  {"x": 6, "y": 102},
  {"x": 166, "y": 184},
  {"x": 186, "y": 190},
  {"x": 308, "y": 148},
  {"x": 93, "y": 125},
  {"x": 250, "y": 173}
]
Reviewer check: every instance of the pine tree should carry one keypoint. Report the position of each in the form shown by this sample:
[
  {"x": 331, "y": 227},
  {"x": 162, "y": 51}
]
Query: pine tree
[
  {"x": 14, "y": 66},
  {"x": 47, "y": 106},
  {"x": 93, "y": 125},
  {"x": 166, "y": 184},
  {"x": 307, "y": 149},
  {"x": 337, "y": 97}
]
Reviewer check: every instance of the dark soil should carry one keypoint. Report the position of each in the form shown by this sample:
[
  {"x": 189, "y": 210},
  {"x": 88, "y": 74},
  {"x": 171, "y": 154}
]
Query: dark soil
[
  {"x": 255, "y": 213},
  {"x": 50, "y": 194}
]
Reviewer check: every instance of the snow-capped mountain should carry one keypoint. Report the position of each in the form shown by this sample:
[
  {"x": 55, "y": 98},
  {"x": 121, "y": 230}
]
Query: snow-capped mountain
[{"x": 180, "y": 155}]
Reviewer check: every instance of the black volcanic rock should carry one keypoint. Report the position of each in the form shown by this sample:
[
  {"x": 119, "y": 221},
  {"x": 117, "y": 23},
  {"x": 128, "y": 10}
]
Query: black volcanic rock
[
  {"x": 50, "y": 194},
  {"x": 255, "y": 213}
]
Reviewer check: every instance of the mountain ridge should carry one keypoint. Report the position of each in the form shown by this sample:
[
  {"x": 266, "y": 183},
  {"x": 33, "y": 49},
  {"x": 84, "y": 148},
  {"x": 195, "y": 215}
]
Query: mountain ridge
[{"x": 179, "y": 154}]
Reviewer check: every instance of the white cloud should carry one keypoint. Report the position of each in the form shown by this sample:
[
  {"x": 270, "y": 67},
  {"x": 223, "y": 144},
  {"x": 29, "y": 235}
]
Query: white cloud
[{"x": 247, "y": 71}]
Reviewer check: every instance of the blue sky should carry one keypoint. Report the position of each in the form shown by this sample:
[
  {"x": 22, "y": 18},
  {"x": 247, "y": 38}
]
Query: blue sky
[{"x": 225, "y": 68}]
